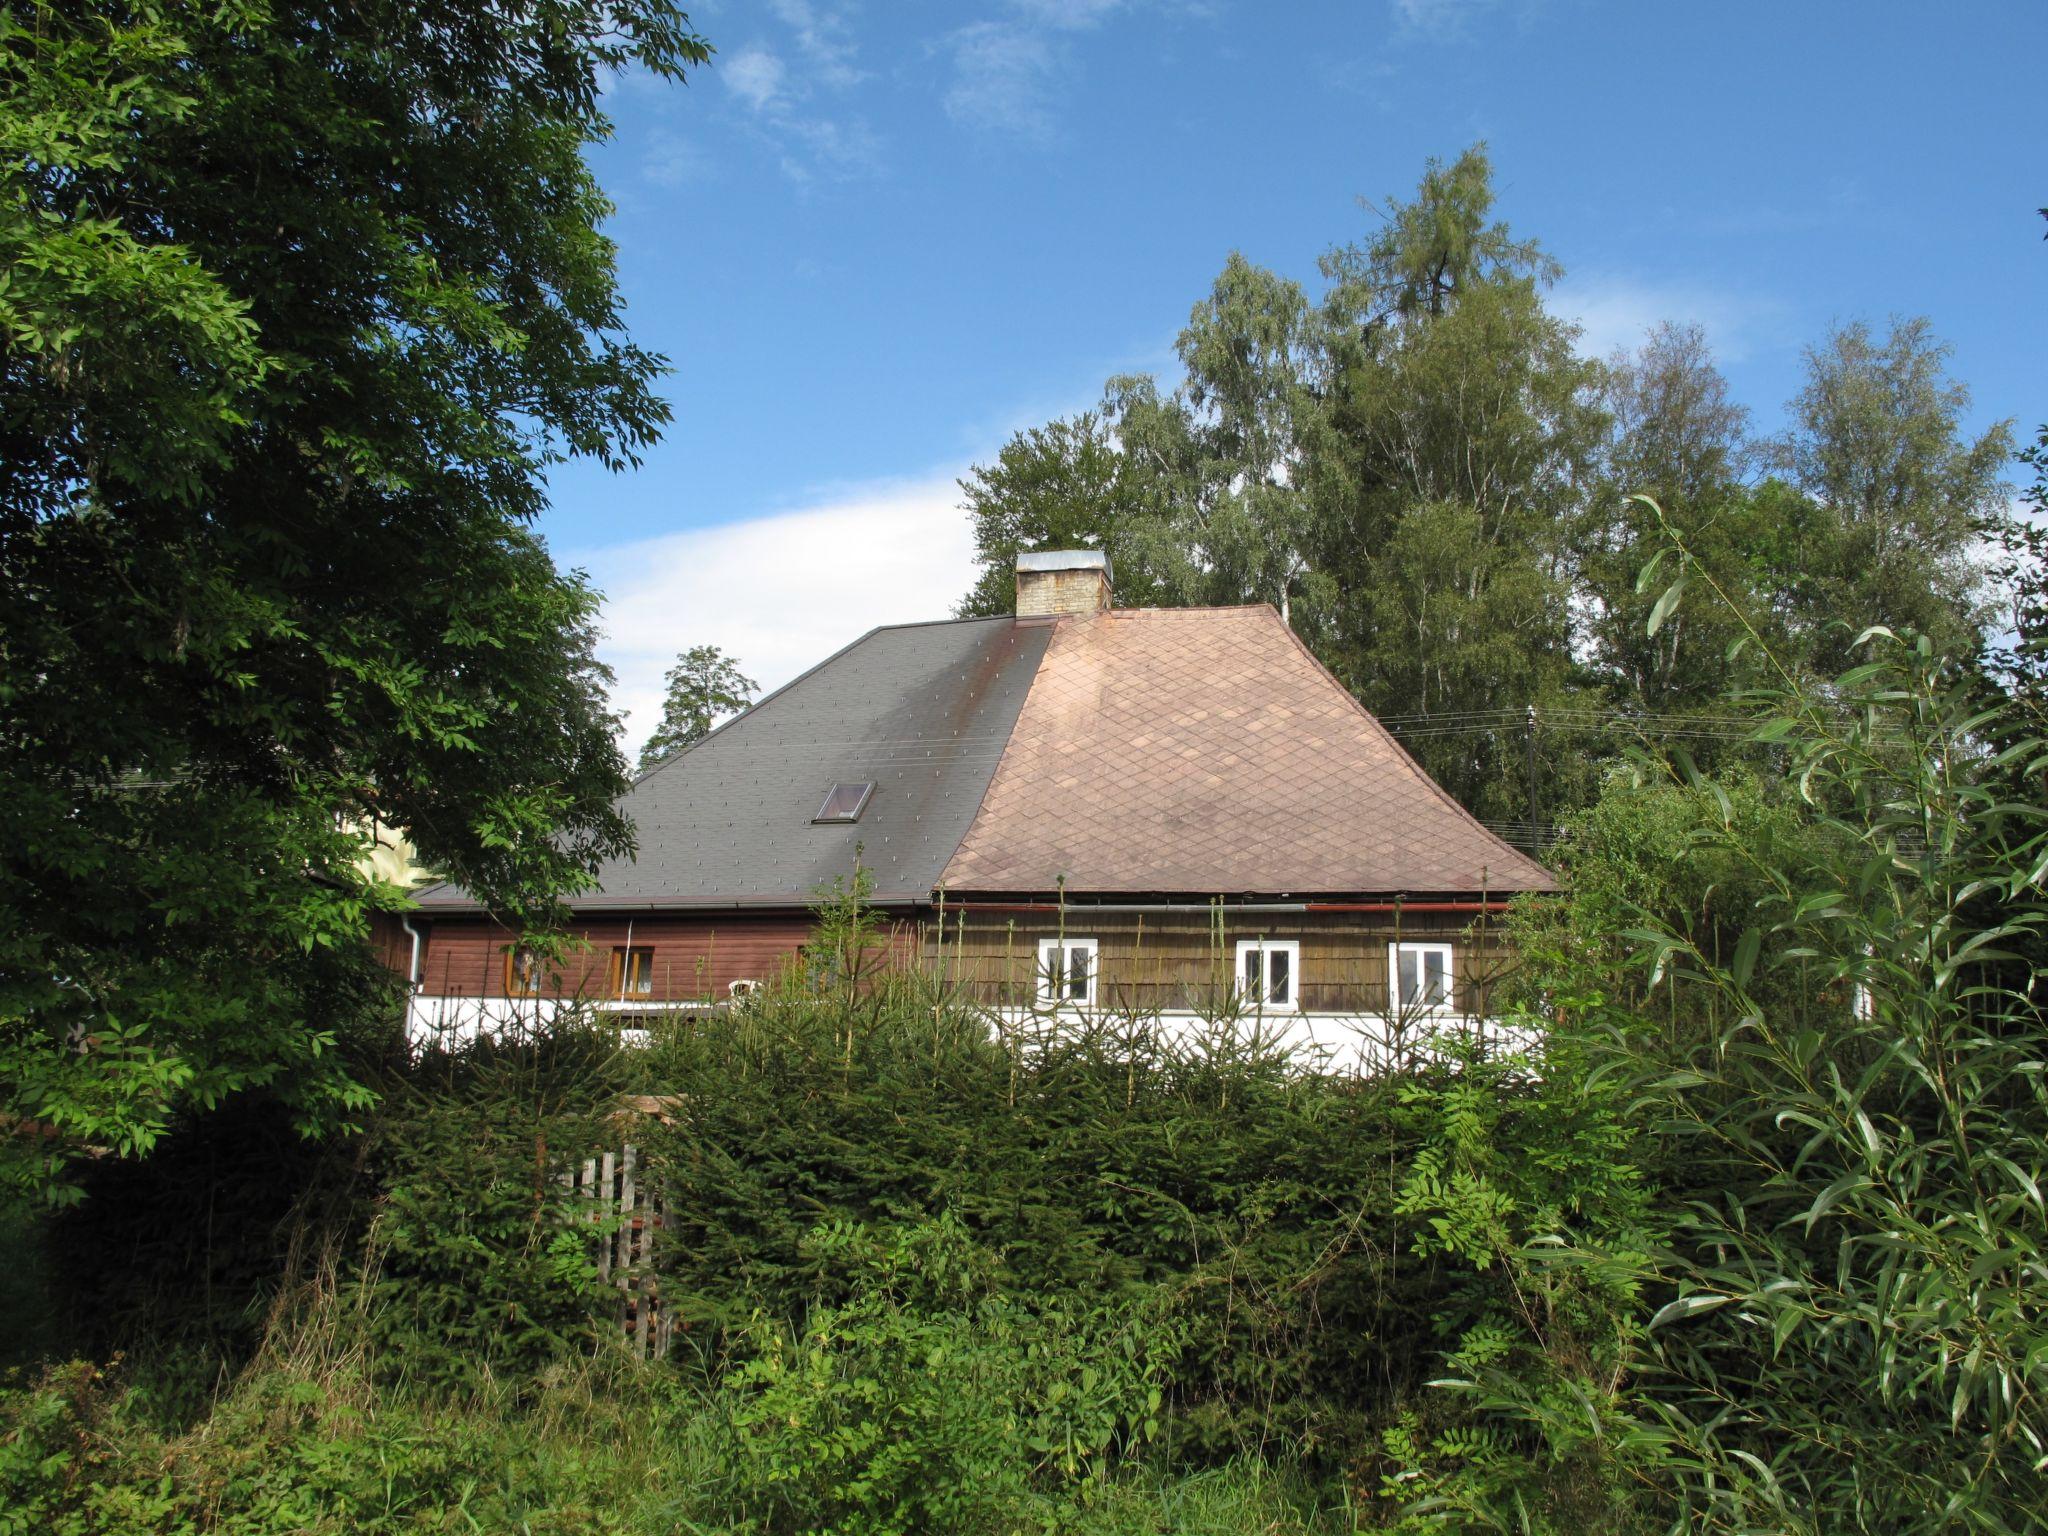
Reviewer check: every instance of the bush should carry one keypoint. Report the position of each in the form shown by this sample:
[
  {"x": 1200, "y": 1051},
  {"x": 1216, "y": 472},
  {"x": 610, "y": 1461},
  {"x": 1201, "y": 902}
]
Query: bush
[
  {"x": 1095, "y": 1171},
  {"x": 1841, "y": 1077},
  {"x": 929, "y": 1400},
  {"x": 477, "y": 1259}
]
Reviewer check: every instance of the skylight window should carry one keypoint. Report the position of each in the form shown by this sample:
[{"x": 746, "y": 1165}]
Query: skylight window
[{"x": 844, "y": 803}]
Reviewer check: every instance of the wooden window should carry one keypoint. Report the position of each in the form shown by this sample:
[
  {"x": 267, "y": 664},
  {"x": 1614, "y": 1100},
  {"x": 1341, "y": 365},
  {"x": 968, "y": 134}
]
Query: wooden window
[
  {"x": 1066, "y": 972},
  {"x": 523, "y": 972},
  {"x": 631, "y": 973},
  {"x": 1420, "y": 978},
  {"x": 1268, "y": 974}
]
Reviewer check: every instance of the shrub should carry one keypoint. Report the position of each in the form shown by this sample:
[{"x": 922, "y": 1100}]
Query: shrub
[
  {"x": 1094, "y": 1170},
  {"x": 477, "y": 1261},
  {"x": 1841, "y": 1314},
  {"x": 928, "y": 1400}
]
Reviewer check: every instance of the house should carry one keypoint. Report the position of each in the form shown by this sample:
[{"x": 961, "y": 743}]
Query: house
[{"x": 1160, "y": 811}]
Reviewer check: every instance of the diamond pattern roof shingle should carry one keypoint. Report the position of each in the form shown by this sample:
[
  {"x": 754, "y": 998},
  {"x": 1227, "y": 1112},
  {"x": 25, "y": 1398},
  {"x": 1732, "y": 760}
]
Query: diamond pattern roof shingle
[{"x": 1204, "y": 750}]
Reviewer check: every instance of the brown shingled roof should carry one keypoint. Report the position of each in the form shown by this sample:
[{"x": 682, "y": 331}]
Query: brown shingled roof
[{"x": 1204, "y": 750}]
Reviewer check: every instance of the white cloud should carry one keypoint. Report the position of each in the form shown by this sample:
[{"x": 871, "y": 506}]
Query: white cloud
[
  {"x": 756, "y": 76},
  {"x": 669, "y": 159},
  {"x": 779, "y": 593},
  {"x": 831, "y": 148},
  {"x": 1615, "y": 311},
  {"x": 782, "y": 93},
  {"x": 1448, "y": 19},
  {"x": 1005, "y": 72},
  {"x": 1002, "y": 73},
  {"x": 1428, "y": 14},
  {"x": 824, "y": 38},
  {"x": 1067, "y": 15}
]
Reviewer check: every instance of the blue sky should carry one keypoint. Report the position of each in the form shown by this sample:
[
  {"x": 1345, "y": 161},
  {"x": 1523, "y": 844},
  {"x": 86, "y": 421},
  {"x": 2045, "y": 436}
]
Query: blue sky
[{"x": 875, "y": 239}]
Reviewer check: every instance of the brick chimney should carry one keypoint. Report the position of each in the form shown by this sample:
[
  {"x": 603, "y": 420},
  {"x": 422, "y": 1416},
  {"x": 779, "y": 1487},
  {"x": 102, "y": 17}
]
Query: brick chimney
[{"x": 1062, "y": 581}]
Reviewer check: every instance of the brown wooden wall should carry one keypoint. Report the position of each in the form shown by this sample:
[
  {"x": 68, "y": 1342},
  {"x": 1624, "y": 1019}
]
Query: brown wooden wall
[
  {"x": 1185, "y": 960},
  {"x": 696, "y": 958},
  {"x": 1153, "y": 961},
  {"x": 389, "y": 941}
]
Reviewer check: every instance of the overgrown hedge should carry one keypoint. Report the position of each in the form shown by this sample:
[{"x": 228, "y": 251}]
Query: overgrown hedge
[{"x": 1752, "y": 1239}]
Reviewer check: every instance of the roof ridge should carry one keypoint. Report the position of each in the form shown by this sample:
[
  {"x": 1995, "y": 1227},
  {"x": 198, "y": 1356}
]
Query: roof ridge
[
  {"x": 1192, "y": 610},
  {"x": 736, "y": 823}
]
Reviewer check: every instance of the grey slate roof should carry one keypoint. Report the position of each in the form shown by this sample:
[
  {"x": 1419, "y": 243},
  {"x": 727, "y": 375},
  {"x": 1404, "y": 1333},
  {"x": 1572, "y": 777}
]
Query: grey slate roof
[{"x": 922, "y": 710}]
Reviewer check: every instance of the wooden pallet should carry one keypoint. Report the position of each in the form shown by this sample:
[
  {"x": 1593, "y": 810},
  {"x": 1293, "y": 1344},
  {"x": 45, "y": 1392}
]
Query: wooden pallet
[{"x": 624, "y": 1210}]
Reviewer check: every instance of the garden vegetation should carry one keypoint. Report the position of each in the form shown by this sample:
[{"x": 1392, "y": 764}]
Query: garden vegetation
[
  {"x": 1746, "y": 1233},
  {"x": 1736, "y": 1225}
]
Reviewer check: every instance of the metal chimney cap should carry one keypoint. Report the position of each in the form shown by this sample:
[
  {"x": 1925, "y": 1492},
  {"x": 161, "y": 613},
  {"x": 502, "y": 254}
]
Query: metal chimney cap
[{"x": 1065, "y": 560}]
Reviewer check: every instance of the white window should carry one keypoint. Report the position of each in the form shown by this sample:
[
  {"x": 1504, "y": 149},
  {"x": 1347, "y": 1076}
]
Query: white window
[
  {"x": 1268, "y": 974},
  {"x": 1066, "y": 972},
  {"x": 1421, "y": 977}
]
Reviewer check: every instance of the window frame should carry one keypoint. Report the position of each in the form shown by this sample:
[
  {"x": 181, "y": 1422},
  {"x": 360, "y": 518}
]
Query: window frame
[
  {"x": 1395, "y": 1004},
  {"x": 825, "y": 817},
  {"x": 1042, "y": 972},
  {"x": 619, "y": 970},
  {"x": 1262, "y": 947},
  {"x": 539, "y": 977}
]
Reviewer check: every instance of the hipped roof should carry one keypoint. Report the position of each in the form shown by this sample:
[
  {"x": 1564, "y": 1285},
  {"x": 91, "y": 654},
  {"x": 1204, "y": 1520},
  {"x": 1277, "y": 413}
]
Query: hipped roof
[
  {"x": 1200, "y": 752},
  {"x": 1206, "y": 751}
]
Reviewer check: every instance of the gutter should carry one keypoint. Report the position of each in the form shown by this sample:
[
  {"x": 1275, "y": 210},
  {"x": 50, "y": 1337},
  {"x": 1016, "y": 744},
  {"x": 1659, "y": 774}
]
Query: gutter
[
  {"x": 1233, "y": 906},
  {"x": 687, "y": 908},
  {"x": 412, "y": 972}
]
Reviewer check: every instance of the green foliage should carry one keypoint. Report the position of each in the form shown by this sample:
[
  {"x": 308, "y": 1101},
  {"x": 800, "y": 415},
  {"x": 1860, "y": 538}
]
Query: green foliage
[
  {"x": 1680, "y": 440},
  {"x": 1878, "y": 443},
  {"x": 2017, "y": 665},
  {"x": 1854, "y": 1276},
  {"x": 704, "y": 685},
  {"x": 1394, "y": 468},
  {"x": 1098, "y": 1170},
  {"x": 1419, "y": 470},
  {"x": 1696, "y": 1240},
  {"x": 1523, "y": 1156},
  {"x": 1467, "y": 424},
  {"x": 476, "y": 1259},
  {"x": 846, "y": 958},
  {"x": 1064, "y": 486},
  {"x": 1822, "y": 1007},
  {"x": 612, "y": 1448},
  {"x": 202, "y": 1232},
  {"x": 294, "y": 1451},
  {"x": 297, "y": 303},
  {"x": 929, "y": 1399}
]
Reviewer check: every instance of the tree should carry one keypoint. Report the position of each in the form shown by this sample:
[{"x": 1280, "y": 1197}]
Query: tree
[
  {"x": 1679, "y": 434},
  {"x": 1067, "y": 485},
  {"x": 1878, "y": 443},
  {"x": 300, "y": 301},
  {"x": 1396, "y": 468},
  {"x": 704, "y": 686},
  {"x": 1237, "y": 441},
  {"x": 1465, "y": 432},
  {"x": 1681, "y": 440}
]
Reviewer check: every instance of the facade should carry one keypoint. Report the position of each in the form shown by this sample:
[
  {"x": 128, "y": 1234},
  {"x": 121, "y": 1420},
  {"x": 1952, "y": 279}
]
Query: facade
[{"x": 1171, "y": 813}]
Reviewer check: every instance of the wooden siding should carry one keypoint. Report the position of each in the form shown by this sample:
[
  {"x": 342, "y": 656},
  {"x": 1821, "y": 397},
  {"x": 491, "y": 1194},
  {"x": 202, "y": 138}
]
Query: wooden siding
[
  {"x": 1148, "y": 962},
  {"x": 696, "y": 958},
  {"x": 389, "y": 941},
  {"x": 1172, "y": 961}
]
